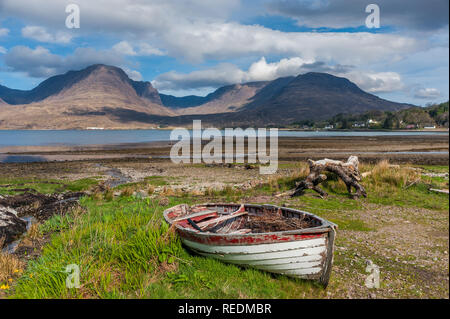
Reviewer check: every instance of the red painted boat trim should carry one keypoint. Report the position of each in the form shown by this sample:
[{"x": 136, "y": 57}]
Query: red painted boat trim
[
  {"x": 246, "y": 240},
  {"x": 185, "y": 224}
]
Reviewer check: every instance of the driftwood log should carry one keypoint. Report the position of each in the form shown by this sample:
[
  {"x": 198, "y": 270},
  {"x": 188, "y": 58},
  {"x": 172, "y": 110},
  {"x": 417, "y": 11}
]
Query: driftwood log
[{"x": 347, "y": 171}]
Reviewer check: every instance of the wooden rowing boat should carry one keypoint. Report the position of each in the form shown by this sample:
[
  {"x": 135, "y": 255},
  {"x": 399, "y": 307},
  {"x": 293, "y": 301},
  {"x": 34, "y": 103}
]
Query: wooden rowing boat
[{"x": 218, "y": 231}]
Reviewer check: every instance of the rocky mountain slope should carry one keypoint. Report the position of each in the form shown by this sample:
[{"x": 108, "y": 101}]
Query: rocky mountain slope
[
  {"x": 93, "y": 97},
  {"x": 104, "y": 96}
]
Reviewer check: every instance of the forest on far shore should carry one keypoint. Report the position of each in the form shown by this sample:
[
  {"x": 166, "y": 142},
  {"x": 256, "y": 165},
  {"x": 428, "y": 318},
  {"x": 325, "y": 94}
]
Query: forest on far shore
[{"x": 417, "y": 117}]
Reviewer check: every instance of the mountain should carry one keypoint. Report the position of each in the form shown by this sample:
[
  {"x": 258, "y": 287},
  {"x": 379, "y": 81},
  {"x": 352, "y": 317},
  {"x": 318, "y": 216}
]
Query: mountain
[
  {"x": 176, "y": 102},
  {"x": 312, "y": 96},
  {"x": 225, "y": 99},
  {"x": 104, "y": 96},
  {"x": 95, "y": 96},
  {"x": 13, "y": 96},
  {"x": 59, "y": 83}
]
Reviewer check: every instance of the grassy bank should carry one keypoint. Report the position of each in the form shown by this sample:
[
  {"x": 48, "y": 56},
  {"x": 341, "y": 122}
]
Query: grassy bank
[
  {"x": 11, "y": 186},
  {"x": 124, "y": 249}
]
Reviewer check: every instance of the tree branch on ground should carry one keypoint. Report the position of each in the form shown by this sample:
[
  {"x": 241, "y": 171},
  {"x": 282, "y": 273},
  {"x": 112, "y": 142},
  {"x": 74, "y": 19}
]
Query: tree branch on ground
[{"x": 348, "y": 172}]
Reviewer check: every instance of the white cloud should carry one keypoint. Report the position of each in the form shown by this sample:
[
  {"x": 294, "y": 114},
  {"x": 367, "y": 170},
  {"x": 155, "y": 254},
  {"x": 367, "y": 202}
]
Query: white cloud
[
  {"x": 376, "y": 82},
  {"x": 42, "y": 35},
  {"x": 3, "y": 32},
  {"x": 124, "y": 48},
  {"x": 3, "y": 50},
  {"x": 40, "y": 62},
  {"x": 261, "y": 70},
  {"x": 192, "y": 31},
  {"x": 133, "y": 74},
  {"x": 219, "y": 75},
  {"x": 130, "y": 17},
  {"x": 427, "y": 93},
  {"x": 416, "y": 14},
  {"x": 198, "y": 42},
  {"x": 147, "y": 49},
  {"x": 143, "y": 49}
]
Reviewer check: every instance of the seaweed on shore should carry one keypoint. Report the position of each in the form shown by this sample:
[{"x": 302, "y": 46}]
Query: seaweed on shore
[{"x": 41, "y": 206}]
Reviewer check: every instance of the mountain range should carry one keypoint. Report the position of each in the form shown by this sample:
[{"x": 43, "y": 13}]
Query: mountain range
[{"x": 104, "y": 96}]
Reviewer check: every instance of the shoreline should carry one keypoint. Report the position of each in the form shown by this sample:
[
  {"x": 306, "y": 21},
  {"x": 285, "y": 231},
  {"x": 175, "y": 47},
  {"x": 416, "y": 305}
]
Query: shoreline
[
  {"x": 440, "y": 129},
  {"x": 67, "y": 146},
  {"x": 418, "y": 149}
]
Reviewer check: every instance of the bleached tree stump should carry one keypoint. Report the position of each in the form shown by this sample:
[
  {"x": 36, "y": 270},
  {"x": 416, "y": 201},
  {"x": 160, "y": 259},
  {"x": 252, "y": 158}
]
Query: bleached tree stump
[{"x": 348, "y": 172}]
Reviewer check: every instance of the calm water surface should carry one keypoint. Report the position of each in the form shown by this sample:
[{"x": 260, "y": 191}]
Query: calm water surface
[{"x": 89, "y": 137}]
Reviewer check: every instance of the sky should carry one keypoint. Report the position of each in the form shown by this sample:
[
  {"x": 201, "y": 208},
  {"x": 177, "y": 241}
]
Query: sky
[{"x": 195, "y": 46}]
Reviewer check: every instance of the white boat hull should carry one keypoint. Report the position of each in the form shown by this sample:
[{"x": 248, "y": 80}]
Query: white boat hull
[
  {"x": 305, "y": 253},
  {"x": 302, "y": 259}
]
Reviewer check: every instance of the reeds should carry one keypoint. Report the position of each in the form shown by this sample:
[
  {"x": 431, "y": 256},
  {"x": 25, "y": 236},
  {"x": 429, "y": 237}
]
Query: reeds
[
  {"x": 10, "y": 266},
  {"x": 384, "y": 175}
]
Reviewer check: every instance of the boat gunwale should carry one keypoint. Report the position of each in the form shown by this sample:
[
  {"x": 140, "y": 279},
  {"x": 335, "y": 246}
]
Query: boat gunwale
[{"x": 326, "y": 226}]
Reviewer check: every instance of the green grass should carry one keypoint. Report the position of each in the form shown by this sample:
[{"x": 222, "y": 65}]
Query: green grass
[
  {"x": 435, "y": 168},
  {"x": 12, "y": 186},
  {"x": 125, "y": 250},
  {"x": 411, "y": 192},
  {"x": 350, "y": 224},
  {"x": 81, "y": 184},
  {"x": 148, "y": 181},
  {"x": 57, "y": 223},
  {"x": 122, "y": 236},
  {"x": 396, "y": 189},
  {"x": 157, "y": 180},
  {"x": 418, "y": 196}
]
